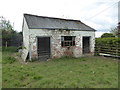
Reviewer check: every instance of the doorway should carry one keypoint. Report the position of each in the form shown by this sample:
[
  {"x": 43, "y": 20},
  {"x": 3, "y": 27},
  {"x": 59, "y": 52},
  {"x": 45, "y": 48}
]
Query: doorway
[
  {"x": 43, "y": 48},
  {"x": 86, "y": 45}
]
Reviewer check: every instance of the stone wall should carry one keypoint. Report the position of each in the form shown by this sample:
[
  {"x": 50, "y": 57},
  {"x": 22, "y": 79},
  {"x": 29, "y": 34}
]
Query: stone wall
[{"x": 55, "y": 36}]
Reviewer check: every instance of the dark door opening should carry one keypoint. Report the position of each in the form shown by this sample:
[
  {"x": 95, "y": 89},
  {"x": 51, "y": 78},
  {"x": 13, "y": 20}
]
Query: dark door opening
[
  {"x": 43, "y": 48},
  {"x": 86, "y": 45}
]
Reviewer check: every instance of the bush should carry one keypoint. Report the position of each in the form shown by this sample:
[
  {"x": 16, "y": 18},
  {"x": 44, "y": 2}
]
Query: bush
[
  {"x": 107, "y": 46},
  {"x": 103, "y": 41},
  {"x": 107, "y": 35},
  {"x": 8, "y": 60},
  {"x": 9, "y": 49}
]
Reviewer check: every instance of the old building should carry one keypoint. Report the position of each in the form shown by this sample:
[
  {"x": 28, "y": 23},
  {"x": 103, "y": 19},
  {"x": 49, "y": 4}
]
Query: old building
[{"x": 48, "y": 37}]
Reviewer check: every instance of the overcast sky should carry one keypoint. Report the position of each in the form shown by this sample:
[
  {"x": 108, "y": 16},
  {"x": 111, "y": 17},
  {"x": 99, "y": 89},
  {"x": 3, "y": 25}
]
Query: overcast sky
[{"x": 98, "y": 14}]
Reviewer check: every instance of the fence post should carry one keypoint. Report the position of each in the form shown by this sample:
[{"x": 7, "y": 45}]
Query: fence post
[{"x": 6, "y": 44}]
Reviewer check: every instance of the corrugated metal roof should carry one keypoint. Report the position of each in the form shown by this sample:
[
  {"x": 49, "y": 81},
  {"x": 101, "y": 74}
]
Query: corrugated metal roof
[{"x": 42, "y": 22}]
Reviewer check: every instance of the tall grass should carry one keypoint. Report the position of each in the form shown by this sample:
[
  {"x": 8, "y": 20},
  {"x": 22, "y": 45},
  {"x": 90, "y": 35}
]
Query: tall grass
[
  {"x": 9, "y": 49},
  {"x": 8, "y": 60},
  {"x": 86, "y": 72},
  {"x": 0, "y": 67},
  {"x": 7, "y": 55}
]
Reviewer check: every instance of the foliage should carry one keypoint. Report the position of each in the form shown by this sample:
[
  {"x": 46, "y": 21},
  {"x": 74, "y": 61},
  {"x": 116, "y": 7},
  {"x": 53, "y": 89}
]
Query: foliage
[
  {"x": 103, "y": 41},
  {"x": 9, "y": 36},
  {"x": 107, "y": 35},
  {"x": 0, "y": 70},
  {"x": 114, "y": 31},
  {"x": 8, "y": 60},
  {"x": 7, "y": 57},
  {"x": 5, "y": 24},
  {"x": 107, "y": 46},
  {"x": 6, "y": 29},
  {"x": 85, "y": 72},
  {"x": 9, "y": 49}
]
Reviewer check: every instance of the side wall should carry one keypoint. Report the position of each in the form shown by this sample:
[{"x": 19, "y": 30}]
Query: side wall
[
  {"x": 25, "y": 39},
  {"x": 56, "y": 49}
]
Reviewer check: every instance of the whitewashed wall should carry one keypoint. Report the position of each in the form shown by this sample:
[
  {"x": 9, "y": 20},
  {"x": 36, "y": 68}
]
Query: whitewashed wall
[
  {"x": 25, "y": 39},
  {"x": 56, "y": 49}
]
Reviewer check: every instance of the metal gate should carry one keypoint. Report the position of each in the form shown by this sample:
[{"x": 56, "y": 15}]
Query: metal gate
[{"x": 43, "y": 48}]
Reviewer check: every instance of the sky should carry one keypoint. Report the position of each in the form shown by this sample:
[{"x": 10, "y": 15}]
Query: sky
[{"x": 98, "y": 14}]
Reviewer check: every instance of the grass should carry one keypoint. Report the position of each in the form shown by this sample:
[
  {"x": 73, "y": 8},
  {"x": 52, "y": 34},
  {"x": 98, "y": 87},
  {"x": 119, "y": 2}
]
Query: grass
[
  {"x": 8, "y": 59},
  {"x": 86, "y": 72},
  {"x": 0, "y": 69},
  {"x": 9, "y": 49}
]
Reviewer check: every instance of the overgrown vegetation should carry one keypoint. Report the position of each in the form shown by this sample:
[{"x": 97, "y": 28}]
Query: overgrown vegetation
[
  {"x": 115, "y": 31},
  {"x": 108, "y": 46},
  {"x": 10, "y": 37},
  {"x": 107, "y": 35},
  {"x": 0, "y": 69},
  {"x": 66, "y": 72},
  {"x": 9, "y": 49},
  {"x": 8, "y": 59},
  {"x": 103, "y": 41},
  {"x": 7, "y": 53}
]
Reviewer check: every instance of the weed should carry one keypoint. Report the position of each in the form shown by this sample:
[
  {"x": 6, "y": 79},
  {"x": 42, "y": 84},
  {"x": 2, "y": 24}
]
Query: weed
[
  {"x": 37, "y": 77},
  {"x": 9, "y": 49},
  {"x": 8, "y": 60}
]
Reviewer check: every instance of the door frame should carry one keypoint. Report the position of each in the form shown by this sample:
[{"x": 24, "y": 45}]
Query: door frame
[
  {"x": 37, "y": 43},
  {"x": 89, "y": 44}
]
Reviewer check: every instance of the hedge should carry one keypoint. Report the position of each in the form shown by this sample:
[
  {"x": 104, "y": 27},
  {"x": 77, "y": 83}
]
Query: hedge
[
  {"x": 112, "y": 41},
  {"x": 107, "y": 46}
]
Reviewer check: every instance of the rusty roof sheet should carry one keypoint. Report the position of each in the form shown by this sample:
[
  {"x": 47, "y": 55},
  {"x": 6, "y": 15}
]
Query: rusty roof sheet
[{"x": 42, "y": 22}]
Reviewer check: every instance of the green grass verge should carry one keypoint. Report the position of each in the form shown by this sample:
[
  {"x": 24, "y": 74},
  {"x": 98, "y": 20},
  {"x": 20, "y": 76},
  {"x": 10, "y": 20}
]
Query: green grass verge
[
  {"x": 9, "y": 49},
  {"x": 87, "y": 72},
  {"x": 0, "y": 69}
]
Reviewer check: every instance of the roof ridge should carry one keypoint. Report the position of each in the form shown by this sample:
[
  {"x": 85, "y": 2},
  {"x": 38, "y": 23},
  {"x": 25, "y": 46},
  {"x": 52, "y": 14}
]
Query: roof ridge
[{"x": 52, "y": 17}]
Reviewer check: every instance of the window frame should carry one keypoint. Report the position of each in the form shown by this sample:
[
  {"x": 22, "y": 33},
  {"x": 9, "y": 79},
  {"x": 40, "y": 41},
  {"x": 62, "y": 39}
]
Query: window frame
[{"x": 68, "y": 43}]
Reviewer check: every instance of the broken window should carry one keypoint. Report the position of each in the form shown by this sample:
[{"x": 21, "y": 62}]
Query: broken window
[{"x": 68, "y": 41}]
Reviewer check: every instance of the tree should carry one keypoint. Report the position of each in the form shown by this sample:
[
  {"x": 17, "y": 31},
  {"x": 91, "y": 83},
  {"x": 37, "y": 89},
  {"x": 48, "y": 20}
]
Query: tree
[
  {"x": 118, "y": 27},
  {"x": 9, "y": 36},
  {"x": 114, "y": 31},
  {"x": 7, "y": 31},
  {"x": 106, "y": 35},
  {"x": 5, "y": 24}
]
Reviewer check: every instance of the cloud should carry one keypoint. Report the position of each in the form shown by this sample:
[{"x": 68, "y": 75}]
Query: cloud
[
  {"x": 82, "y": 10},
  {"x": 103, "y": 17}
]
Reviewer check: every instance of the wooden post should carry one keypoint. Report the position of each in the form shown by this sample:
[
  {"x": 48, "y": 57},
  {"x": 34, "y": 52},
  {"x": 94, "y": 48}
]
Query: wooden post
[{"x": 6, "y": 44}]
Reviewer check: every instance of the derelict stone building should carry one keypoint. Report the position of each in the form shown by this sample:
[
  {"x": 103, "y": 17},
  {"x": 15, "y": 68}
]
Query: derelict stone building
[{"x": 48, "y": 37}]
